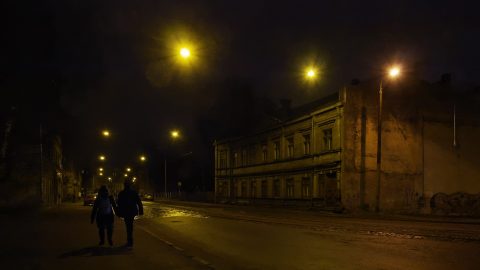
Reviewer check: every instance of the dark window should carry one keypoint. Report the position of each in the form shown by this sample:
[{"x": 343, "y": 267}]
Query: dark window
[
  {"x": 290, "y": 148},
  {"x": 290, "y": 188},
  {"x": 276, "y": 188},
  {"x": 305, "y": 187},
  {"x": 306, "y": 144},
  {"x": 264, "y": 189},
  {"x": 327, "y": 139},
  {"x": 276, "y": 150}
]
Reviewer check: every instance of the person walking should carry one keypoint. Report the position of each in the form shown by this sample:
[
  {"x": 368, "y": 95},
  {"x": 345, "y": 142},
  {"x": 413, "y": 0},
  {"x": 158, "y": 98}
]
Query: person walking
[
  {"x": 103, "y": 212},
  {"x": 129, "y": 206}
]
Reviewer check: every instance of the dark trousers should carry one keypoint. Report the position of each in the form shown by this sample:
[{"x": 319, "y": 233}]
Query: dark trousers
[
  {"x": 129, "y": 227},
  {"x": 105, "y": 223}
]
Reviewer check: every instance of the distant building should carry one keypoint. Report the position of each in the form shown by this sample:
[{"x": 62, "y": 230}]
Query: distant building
[{"x": 325, "y": 153}]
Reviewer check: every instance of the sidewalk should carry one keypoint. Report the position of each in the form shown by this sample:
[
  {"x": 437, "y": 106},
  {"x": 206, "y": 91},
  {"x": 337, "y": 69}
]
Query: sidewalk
[
  {"x": 319, "y": 213},
  {"x": 63, "y": 238}
]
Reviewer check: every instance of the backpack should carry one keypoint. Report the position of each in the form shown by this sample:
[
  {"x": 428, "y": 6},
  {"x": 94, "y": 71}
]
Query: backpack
[{"x": 104, "y": 206}]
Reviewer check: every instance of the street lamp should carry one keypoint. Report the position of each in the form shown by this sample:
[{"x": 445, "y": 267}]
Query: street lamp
[
  {"x": 105, "y": 133},
  {"x": 184, "y": 52},
  {"x": 174, "y": 134},
  {"x": 101, "y": 158},
  {"x": 128, "y": 169},
  {"x": 393, "y": 73},
  {"x": 143, "y": 158},
  {"x": 100, "y": 169}
]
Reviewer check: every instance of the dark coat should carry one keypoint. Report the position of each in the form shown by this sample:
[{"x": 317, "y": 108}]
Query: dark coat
[
  {"x": 100, "y": 217},
  {"x": 129, "y": 203}
]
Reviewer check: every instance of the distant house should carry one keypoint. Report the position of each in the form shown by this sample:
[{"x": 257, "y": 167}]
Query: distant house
[{"x": 325, "y": 153}]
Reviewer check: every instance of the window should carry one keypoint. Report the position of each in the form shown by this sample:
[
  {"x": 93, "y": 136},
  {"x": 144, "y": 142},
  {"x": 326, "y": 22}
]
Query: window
[
  {"x": 290, "y": 148},
  {"x": 276, "y": 188},
  {"x": 223, "y": 160},
  {"x": 244, "y": 157},
  {"x": 235, "y": 159},
  {"x": 253, "y": 189},
  {"x": 290, "y": 187},
  {"x": 306, "y": 144},
  {"x": 264, "y": 152},
  {"x": 305, "y": 187},
  {"x": 243, "y": 189},
  {"x": 327, "y": 139},
  {"x": 264, "y": 189},
  {"x": 251, "y": 155},
  {"x": 276, "y": 150}
]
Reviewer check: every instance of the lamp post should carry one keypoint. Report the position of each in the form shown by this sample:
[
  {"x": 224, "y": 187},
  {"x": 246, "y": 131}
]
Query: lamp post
[
  {"x": 392, "y": 73},
  {"x": 174, "y": 135}
]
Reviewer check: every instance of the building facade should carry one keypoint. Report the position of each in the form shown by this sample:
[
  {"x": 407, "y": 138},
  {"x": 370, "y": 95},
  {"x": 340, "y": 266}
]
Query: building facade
[{"x": 325, "y": 153}]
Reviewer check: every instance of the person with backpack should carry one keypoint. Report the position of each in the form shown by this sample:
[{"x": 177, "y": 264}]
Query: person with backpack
[
  {"x": 103, "y": 211},
  {"x": 129, "y": 206}
]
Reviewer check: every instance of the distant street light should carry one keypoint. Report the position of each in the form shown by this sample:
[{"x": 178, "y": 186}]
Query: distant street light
[
  {"x": 128, "y": 169},
  {"x": 106, "y": 133},
  {"x": 109, "y": 179},
  {"x": 185, "y": 52},
  {"x": 126, "y": 175},
  {"x": 100, "y": 169},
  {"x": 102, "y": 158},
  {"x": 100, "y": 173},
  {"x": 310, "y": 74},
  {"x": 174, "y": 134},
  {"x": 393, "y": 73},
  {"x": 143, "y": 158}
]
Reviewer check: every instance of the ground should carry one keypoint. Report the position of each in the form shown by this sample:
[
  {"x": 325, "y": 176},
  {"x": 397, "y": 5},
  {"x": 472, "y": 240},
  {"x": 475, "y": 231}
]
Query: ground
[{"x": 206, "y": 236}]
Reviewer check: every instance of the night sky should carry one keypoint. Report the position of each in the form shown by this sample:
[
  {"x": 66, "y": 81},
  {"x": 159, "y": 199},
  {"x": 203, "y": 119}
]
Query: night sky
[{"x": 110, "y": 64}]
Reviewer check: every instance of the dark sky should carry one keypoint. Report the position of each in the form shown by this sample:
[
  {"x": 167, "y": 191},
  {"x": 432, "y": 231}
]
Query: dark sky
[{"x": 112, "y": 62}]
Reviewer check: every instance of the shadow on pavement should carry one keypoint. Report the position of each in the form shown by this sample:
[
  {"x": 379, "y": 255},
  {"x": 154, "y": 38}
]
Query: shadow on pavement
[{"x": 96, "y": 251}]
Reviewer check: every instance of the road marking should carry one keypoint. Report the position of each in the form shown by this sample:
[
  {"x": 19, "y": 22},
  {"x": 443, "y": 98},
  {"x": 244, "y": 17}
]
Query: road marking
[{"x": 170, "y": 244}]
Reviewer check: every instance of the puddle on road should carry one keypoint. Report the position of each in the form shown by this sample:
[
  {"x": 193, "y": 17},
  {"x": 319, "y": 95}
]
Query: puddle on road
[{"x": 154, "y": 212}]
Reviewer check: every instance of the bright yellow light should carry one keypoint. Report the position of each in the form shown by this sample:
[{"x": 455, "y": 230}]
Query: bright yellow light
[
  {"x": 184, "y": 52},
  {"x": 128, "y": 169},
  {"x": 126, "y": 175},
  {"x": 100, "y": 169},
  {"x": 310, "y": 73},
  {"x": 394, "y": 72},
  {"x": 143, "y": 158},
  {"x": 102, "y": 157},
  {"x": 100, "y": 173},
  {"x": 109, "y": 178},
  {"x": 106, "y": 133},
  {"x": 174, "y": 134}
]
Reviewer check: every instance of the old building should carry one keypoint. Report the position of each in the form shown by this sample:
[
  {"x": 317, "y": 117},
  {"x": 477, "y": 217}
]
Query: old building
[{"x": 325, "y": 153}]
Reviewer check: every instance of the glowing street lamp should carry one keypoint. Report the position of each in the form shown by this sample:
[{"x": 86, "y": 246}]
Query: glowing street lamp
[
  {"x": 109, "y": 179},
  {"x": 128, "y": 169},
  {"x": 105, "y": 133},
  {"x": 102, "y": 158},
  {"x": 392, "y": 73},
  {"x": 143, "y": 158},
  {"x": 126, "y": 175},
  {"x": 184, "y": 52},
  {"x": 100, "y": 169},
  {"x": 100, "y": 173},
  {"x": 175, "y": 134}
]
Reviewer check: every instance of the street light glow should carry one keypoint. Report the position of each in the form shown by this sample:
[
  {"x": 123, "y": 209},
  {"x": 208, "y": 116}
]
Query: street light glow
[
  {"x": 185, "y": 52},
  {"x": 310, "y": 73},
  {"x": 128, "y": 169},
  {"x": 100, "y": 169},
  {"x": 126, "y": 175},
  {"x": 175, "y": 134},
  {"x": 101, "y": 157},
  {"x": 394, "y": 72},
  {"x": 100, "y": 173},
  {"x": 110, "y": 179},
  {"x": 106, "y": 133},
  {"x": 143, "y": 158}
]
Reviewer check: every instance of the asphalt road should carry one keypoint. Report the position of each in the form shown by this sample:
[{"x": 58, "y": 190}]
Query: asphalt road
[{"x": 228, "y": 237}]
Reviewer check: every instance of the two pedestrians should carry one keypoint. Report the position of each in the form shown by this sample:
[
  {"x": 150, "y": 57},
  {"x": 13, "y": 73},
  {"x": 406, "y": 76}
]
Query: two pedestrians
[
  {"x": 103, "y": 213},
  {"x": 129, "y": 206}
]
